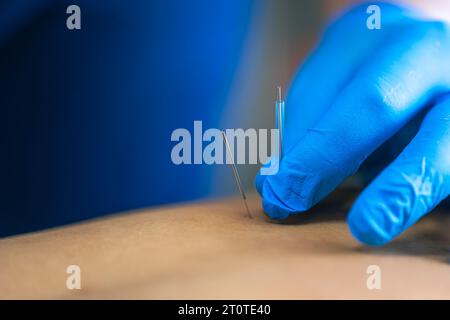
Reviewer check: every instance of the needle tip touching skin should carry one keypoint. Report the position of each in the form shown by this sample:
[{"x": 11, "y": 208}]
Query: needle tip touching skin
[{"x": 236, "y": 174}]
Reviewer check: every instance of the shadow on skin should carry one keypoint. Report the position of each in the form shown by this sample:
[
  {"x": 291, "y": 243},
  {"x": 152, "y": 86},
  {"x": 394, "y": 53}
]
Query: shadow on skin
[
  {"x": 430, "y": 238},
  {"x": 333, "y": 208}
]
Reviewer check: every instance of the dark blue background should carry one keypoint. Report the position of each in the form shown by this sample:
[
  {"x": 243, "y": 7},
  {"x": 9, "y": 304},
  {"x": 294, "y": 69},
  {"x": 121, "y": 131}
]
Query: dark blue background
[{"x": 86, "y": 116}]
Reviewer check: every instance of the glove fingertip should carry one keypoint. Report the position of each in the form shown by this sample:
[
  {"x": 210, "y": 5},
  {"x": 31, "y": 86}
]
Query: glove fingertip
[
  {"x": 274, "y": 211},
  {"x": 365, "y": 229}
]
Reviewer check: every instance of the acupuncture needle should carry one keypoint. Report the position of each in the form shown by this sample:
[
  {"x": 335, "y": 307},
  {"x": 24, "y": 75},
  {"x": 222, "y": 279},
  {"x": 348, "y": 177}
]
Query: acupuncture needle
[
  {"x": 236, "y": 174},
  {"x": 279, "y": 115}
]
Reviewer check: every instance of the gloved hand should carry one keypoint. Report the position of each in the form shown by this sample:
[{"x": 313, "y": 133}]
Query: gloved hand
[{"x": 357, "y": 89}]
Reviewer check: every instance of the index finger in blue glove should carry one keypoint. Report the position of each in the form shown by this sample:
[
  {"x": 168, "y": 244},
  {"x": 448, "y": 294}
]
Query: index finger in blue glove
[{"x": 307, "y": 100}]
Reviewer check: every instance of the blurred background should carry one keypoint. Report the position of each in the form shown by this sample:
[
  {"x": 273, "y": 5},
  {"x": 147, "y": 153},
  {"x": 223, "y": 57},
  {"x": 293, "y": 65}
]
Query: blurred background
[{"x": 86, "y": 115}]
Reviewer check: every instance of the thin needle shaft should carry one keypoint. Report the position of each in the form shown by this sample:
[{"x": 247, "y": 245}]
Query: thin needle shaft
[
  {"x": 280, "y": 120},
  {"x": 279, "y": 94},
  {"x": 236, "y": 174}
]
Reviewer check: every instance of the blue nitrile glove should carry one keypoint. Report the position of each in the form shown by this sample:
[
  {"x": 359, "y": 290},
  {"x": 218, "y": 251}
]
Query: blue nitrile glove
[{"x": 357, "y": 89}]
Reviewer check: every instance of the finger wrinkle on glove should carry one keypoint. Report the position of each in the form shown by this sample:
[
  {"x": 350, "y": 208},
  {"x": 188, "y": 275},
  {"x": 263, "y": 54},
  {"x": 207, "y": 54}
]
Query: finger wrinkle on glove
[
  {"x": 274, "y": 206},
  {"x": 397, "y": 200},
  {"x": 280, "y": 191}
]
